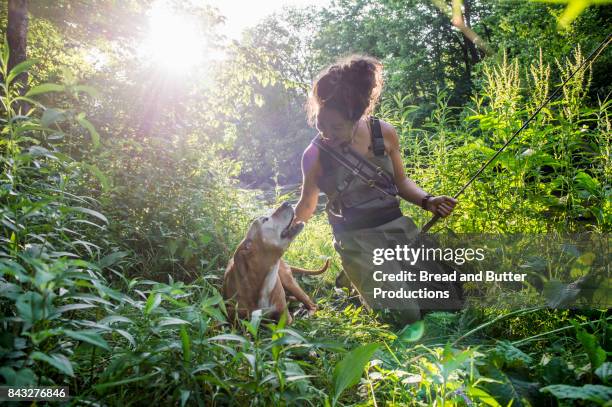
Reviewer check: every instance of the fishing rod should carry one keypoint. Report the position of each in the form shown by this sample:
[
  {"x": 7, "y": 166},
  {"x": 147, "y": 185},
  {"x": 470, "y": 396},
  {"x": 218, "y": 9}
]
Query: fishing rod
[{"x": 596, "y": 52}]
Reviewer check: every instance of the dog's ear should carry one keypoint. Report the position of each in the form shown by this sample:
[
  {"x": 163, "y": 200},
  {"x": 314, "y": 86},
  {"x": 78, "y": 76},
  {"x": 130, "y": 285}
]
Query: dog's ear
[
  {"x": 241, "y": 255},
  {"x": 253, "y": 229},
  {"x": 246, "y": 245}
]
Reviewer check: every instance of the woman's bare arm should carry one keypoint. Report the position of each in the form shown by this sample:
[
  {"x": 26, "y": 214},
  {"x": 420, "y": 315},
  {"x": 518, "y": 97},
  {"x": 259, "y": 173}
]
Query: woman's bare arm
[
  {"x": 408, "y": 189},
  {"x": 311, "y": 170}
]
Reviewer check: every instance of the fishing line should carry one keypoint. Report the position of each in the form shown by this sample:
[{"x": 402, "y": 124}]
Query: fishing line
[{"x": 594, "y": 55}]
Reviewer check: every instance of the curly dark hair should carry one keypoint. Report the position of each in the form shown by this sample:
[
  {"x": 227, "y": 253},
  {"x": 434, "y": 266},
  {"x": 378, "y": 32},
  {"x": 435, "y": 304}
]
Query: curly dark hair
[{"x": 352, "y": 86}]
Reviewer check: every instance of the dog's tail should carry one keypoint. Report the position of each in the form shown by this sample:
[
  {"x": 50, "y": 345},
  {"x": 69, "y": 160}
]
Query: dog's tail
[{"x": 310, "y": 272}]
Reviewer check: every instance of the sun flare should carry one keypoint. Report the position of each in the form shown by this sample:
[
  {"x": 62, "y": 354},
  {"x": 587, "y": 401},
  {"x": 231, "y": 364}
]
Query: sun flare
[{"x": 174, "y": 41}]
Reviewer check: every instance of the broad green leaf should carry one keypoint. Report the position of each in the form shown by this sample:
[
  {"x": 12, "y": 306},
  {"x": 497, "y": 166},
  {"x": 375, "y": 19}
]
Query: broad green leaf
[
  {"x": 89, "y": 336},
  {"x": 57, "y": 360},
  {"x": 44, "y": 88},
  {"x": 52, "y": 116},
  {"x": 584, "y": 181},
  {"x": 127, "y": 336},
  {"x": 253, "y": 325},
  {"x": 348, "y": 372},
  {"x": 412, "y": 332},
  {"x": 592, "y": 392},
  {"x": 452, "y": 360},
  {"x": 14, "y": 269},
  {"x": 164, "y": 321},
  {"x": 72, "y": 307},
  {"x": 115, "y": 318},
  {"x": 228, "y": 337},
  {"x": 511, "y": 389},
  {"x": 556, "y": 371},
  {"x": 152, "y": 302},
  {"x": 604, "y": 372},
  {"x": 184, "y": 397},
  {"x": 186, "y": 344},
  {"x": 39, "y": 336},
  {"x": 95, "y": 137},
  {"x": 21, "y": 378},
  {"x": 512, "y": 356},
  {"x": 91, "y": 297},
  {"x": 572, "y": 11},
  {"x": 31, "y": 308},
  {"x": 596, "y": 354},
  {"x": 42, "y": 277},
  {"x": 89, "y": 212},
  {"x": 19, "y": 68},
  {"x": 476, "y": 393},
  {"x": 111, "y": 259}
]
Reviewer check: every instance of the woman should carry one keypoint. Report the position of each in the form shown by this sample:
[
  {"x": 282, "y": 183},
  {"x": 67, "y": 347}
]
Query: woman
[{"x": 340, "y": 102}]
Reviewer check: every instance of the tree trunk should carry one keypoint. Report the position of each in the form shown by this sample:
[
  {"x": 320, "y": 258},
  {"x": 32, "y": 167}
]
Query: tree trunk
[
  {"x": 468, "y": 42},
  {"x": 17, "y": 34}
]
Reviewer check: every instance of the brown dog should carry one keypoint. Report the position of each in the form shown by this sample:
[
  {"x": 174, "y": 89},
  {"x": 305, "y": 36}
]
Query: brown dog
[{"x": 256, "y": 277}]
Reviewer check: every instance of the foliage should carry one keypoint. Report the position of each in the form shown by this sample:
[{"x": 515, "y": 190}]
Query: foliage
[
  {"x": 115, "y": 229},
  {"x": 271, "y": 68},
  {"x": 266, "y": 78},
  {"x": 574, "y": 9},
  {"x": 348, "y": 371},
  {"x": 553, "y": 177}
]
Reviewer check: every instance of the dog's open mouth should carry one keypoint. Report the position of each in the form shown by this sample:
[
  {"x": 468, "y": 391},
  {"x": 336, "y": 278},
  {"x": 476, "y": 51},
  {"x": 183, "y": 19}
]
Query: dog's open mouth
[{"x": 291, "y": 231}]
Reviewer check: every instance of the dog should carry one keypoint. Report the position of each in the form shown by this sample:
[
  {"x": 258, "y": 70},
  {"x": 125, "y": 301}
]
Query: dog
[{"x": 257, "y": 278}]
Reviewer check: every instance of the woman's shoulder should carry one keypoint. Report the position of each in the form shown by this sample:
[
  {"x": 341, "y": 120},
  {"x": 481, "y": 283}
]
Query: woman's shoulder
[
  {"x": 310, "y": 157},
  {"x": 386, "y": 128},
  {"x": 311, "y": 149},
  {"x": 389, "y": 134}
]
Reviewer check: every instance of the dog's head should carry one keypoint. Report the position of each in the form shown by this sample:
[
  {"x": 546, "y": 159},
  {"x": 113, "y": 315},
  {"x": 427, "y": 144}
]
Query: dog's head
[{"x": 274, "y": 232}]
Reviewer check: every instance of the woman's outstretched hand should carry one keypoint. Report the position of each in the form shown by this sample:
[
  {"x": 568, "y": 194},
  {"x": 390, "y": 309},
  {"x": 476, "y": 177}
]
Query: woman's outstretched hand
[{"x": 441, "y": 205}]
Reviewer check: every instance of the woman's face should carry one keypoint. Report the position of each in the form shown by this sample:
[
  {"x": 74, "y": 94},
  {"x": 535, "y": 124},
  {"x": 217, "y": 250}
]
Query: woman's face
[{"x": 334, "y": 126}]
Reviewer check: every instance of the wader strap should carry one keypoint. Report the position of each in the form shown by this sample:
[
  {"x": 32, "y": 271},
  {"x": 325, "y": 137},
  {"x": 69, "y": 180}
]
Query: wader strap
[
  {"x": 378, "y": 143},
  {"x": 374, "y": 176}
]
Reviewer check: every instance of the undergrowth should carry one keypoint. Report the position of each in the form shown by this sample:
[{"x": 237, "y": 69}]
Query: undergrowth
[{"x": 127, "y": 311}]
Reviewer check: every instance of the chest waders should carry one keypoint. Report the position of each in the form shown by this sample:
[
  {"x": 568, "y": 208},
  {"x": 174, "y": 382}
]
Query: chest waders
[{"x": 364, "y": 212}]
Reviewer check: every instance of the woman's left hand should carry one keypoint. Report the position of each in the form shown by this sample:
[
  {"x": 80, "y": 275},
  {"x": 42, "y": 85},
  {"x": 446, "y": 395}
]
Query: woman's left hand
[{"x": 441, "y": 205}]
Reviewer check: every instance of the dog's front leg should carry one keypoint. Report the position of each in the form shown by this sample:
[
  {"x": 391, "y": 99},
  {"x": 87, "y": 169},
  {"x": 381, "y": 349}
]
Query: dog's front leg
[
  {"x": 292, "y": 287},
  {"x": 276, "y": 302}
]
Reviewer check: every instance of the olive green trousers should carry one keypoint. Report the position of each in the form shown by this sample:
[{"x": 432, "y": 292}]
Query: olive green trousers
[{"x": 360, "y": 250}]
